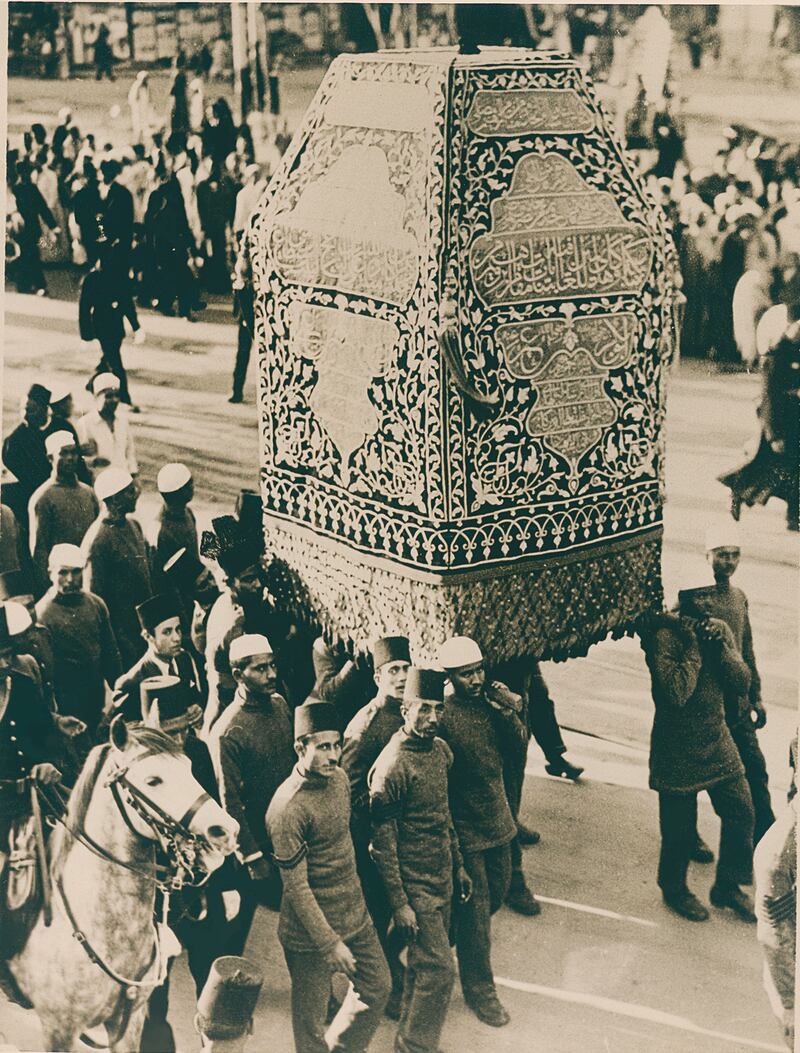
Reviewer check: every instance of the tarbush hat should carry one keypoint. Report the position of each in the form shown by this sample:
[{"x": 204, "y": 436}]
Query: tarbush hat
[
  {"x": 173, "y": 477},
  {"x": 156, "y": 610},
  {"x": 14, "y": 583},
  {"x": 425, "y": 685},
  {"x": 315, "y": 716},
  {"x": 57, "y": 440},
  {"x": 247, "y": 646},
  {"x": 176, "y": 711},
  {"x": 391, "y": 649},
  {"x": 66, "y": 556},
  {"x": 459, "y": 651},
  {"x": 14, "y": 620},
  {"x": 228, "y": 1000},
  {"x": 239, "y": 557},
  {"x": 723, "y": 535},
  {"x": 110, "y": 482}
]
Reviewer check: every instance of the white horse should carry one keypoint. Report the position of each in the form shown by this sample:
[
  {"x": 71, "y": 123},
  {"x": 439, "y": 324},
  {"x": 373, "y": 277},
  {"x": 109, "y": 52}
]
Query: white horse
[{"x": 101, "y": 957}]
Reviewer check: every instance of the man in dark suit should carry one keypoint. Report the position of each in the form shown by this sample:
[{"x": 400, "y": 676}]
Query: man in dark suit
[
  {"x": 25, "y": 456},
  {"x": 104, "y": 305},
  {"x": 160, "y": 619},
  {"x": 116, "y": 218}
]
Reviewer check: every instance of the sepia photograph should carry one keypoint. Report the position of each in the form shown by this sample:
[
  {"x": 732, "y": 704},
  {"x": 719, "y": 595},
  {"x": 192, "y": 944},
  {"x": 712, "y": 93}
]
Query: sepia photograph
[{"x": 399, "y": 511}]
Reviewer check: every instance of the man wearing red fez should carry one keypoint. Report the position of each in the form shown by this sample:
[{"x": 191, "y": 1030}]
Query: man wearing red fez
[
  {"x": 324, "y": 924},
  {"x": 416, "y": 850}
]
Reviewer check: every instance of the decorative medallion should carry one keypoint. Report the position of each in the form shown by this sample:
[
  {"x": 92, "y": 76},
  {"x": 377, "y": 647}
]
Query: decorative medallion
[{"x": 528, "y": 112}]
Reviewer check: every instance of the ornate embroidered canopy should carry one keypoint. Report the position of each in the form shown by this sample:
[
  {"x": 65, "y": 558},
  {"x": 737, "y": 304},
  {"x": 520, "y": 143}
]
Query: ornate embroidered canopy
[{"x": 464, "y": 306}]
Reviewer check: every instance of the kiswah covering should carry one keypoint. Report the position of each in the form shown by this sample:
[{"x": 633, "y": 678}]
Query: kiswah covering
[{"x": 463, "y": 312}]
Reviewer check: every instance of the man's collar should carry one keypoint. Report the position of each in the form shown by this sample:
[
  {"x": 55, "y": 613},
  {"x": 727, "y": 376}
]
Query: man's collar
[{"x": 415, "y": 743}]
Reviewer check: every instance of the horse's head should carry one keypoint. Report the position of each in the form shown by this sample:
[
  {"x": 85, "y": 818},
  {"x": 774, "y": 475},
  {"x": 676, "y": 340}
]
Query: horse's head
[{"x": 159, "y": 791}]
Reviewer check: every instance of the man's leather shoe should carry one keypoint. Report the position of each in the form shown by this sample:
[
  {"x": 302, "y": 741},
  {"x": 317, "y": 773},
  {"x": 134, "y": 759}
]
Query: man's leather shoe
[
  {"x": 564, "y": 769},
  {"x": 522, "y": 900},
  {"x": 701, "y": 853},
  {"x": 527, "y": 836},
  {"x": 490, "y": 1011},
  {"x": 738, "y": 901},
  {"x": 687, "y": 905}
]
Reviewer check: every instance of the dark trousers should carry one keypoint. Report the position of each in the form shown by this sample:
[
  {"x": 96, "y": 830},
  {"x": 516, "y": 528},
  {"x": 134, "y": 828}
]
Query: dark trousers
[
  {"x": 111, "y": 348},
  {"x": 157, "y": 1036},
  {"x": 755, "y": 770},
  {"x": 29, "y": 273},
  {"x": 353, "y": 1027},
  {"x": 490, "y": 872},
  {"x": 429, "y": 983},
  {"x": 377, "y": 901},
  {"x": 678, "y": 822},
  {"x": 243, "y": 346}
]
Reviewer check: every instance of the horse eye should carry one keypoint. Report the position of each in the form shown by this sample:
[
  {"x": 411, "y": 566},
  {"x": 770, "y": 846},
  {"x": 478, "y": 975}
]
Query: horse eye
[{"x": 154, "y": 780}]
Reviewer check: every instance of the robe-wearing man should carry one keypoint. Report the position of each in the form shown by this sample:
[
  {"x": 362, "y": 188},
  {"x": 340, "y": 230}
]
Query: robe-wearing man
[
  {"x": 416, "y": 851},
  {"x": 364, "y": 738},
  {"x": 324, "y": 925},
  {"x": 251, "y": 746},
  {"x": 480, "y": 721},
  {"x": 694, "y": 663},
  {"x": 105, "y": 432},
  {"x": 63, "y": 508},
  {"x": 85, "y": 652},
  {"x": 118, "y": 560},
  {"x": 160, "y": 621}
]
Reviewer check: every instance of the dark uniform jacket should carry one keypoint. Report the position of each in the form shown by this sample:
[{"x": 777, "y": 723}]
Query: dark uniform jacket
[
  {"x": 103, "y": 306},
  {"x": 365, "y": 737},
  {"x": 780, "y": 406},
  {"x": 25, "y": 456},
  {"x": 691, "y": 747},
  {"x": 28, "y": 736},
  {"x": 127, "y": 698}
]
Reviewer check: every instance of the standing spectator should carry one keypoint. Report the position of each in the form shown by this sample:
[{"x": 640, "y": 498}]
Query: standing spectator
[
  {"x": 160, "y": 621},
  {"x": 170, "y": 244},
  {"x": 119, "y": 561},
  {"x": 103, "y": 54},
  {"x": 251, "y": 746},
  {"x": 85, "y": 653},
  {"x": 219, "y": 60},
  {"x": 139, "y": 103},
  {"x": 693, "y": 665},
  {"x": 476, "y": 724},
  {"x": 218, "y": 132},
  {"x": 63, "y": 508},
  {"x": 105, "y": 432},
  {"x": 56, "y": 247},
  {"x": 33, "y": 209},
  {"x": 104, "y": 305},
  {"x": 247, "y": 199},
  {"x": 178, "y": 107},
  {"x": 116, "y": 219},
  {"x": 216, "y": 201},
  {"x": 324, "y": 925},
  {"x": 750, "y": 302},
  {"x": 416, "y": 851},
  {"x": 197, "y": 105},
  {"x": 86, "y": 209},
  {"x": 25, "y": 455},
  {"x": 176, "y": 526},
  {"x": 244, "y": 310}
]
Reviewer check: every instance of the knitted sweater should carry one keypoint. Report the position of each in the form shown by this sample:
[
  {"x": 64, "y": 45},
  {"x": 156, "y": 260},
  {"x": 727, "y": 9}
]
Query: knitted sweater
[
  {"x": 730, "y": 605},
  {"x": 413, "y": 841},
  {"x": 691, "y": 747},
  {"x": 365, "y": 736},
  {"x": 309, "y": 824},
  {"x": 59, "y": 514}
]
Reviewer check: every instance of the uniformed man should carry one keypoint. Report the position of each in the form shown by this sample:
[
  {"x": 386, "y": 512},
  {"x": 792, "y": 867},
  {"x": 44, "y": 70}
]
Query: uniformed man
[
  {"x": 160, "y": 619},
  {"x": 118, "y": 560},
  {"x": 176, "y": 526},
  {"x": 63, "y": 508},
  {"x": 480, "y": 724},
  {"x": 29, "y": 747},
  {"x": 746, "y": 714},
  {"x": 24, "y": 453},
  {"x": 416, "y": 850},
  {"x": 251, "y": 746},
  {"x": 324, "y": 925},
  {"x": 36, "y": 641},
  {"x": 365, "y": 737}
]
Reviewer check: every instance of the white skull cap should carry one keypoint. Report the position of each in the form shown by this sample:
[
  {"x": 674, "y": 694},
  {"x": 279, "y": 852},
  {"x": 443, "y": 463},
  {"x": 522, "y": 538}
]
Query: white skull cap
[
  {"x": 459, "y": 651},
  {"x": 724, "y": 534},
  {"x": 57, "y": 441},
  {"x": 105, "y": 382},
  {"x": 111, "y": 481},
  {"x": 66, "y": 556},
  {"x": 248, "y": 646},
  {"x": 172, "y": 477}
]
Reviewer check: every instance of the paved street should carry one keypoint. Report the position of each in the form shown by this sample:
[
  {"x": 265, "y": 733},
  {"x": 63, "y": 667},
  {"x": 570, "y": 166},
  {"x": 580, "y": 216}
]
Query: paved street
[{"x": 605, "y": 967}]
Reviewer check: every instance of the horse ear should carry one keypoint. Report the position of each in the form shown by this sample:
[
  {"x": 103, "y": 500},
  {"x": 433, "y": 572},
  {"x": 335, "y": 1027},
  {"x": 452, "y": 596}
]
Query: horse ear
[
  {"x": 118, "y": 733},
  {"x": 153, "y": 719}
]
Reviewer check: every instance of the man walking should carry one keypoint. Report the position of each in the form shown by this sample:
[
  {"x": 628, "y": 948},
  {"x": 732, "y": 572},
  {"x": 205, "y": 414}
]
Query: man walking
[
  {"x": 324, "y": 925},
  {"x": 478, "y": 720},
  {"x": 104, "y": 305},
  {"x": 118, "y": 560},
  {"x": 160, "y": 620},
  {"x": 365, "y": 737},
  {"x": 85, "y": 653},
  {"x": 251, "y": 746},
  {"x": 63, "y": 508},
  {"x": 693, "y": 664},
  {"x": 416, "y": 850},
  {"x": 105, "y": 432}
]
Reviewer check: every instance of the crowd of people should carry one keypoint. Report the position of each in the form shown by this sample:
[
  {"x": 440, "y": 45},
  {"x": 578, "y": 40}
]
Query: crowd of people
[{"x": 376, "y": 823}]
